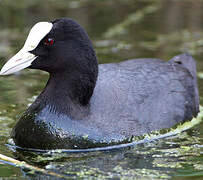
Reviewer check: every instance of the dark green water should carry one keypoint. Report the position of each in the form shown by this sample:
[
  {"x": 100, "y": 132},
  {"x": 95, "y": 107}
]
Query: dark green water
[{"x": 119, "y": 30}]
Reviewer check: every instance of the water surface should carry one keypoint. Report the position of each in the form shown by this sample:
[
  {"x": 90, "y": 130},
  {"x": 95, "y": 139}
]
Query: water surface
[{"x": 119, "y": 30}]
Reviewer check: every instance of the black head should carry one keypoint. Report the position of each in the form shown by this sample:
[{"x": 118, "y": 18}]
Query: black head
[
  {"x": 66, "y": 47},
  {"x": 63, "y": 49},
  {"x": 66, "y": 52}
]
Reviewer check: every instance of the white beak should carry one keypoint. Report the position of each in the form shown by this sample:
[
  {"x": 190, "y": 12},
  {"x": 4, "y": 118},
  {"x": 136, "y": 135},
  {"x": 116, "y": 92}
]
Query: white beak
[
  {"x": 24, "y": 58},
  {"x": 18, "y": 62}
]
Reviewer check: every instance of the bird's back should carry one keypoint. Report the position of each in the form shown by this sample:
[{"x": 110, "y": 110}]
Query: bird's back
[{"x": 142, "y": 95}]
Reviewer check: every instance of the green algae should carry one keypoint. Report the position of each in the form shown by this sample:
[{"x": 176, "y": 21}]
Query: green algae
[
  {"x": 149, "y": 36},
  {"x": 160, "y": 159},
  {"x": 200, "y": 75}
]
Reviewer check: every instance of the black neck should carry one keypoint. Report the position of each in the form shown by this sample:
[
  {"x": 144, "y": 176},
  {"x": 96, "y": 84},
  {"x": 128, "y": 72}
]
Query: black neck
[
  {"x": 68, "y": 93},
  {"x": 73, "y": 76}
]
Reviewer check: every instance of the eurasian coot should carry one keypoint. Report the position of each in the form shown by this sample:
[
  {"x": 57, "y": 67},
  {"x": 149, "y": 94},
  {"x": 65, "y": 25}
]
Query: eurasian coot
[{"x": 85, "y": 105}]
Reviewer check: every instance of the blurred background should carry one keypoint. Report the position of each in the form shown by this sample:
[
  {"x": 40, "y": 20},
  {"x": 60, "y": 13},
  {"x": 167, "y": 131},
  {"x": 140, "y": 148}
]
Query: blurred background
[{"x": 120, "y": 30}]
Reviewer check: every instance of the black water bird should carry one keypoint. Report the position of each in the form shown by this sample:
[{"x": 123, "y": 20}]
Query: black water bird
[{"x": 88, "y": 105}]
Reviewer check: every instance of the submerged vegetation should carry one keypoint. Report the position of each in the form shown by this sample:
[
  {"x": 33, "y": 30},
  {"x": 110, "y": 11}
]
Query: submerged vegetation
[
  {"x": 178, "y": 149},
  {"x": 120, "y": 30}
]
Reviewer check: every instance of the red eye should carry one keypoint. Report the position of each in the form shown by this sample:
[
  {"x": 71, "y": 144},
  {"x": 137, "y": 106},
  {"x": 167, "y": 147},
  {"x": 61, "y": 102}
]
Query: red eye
[{"x": 49, "y": 41}]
